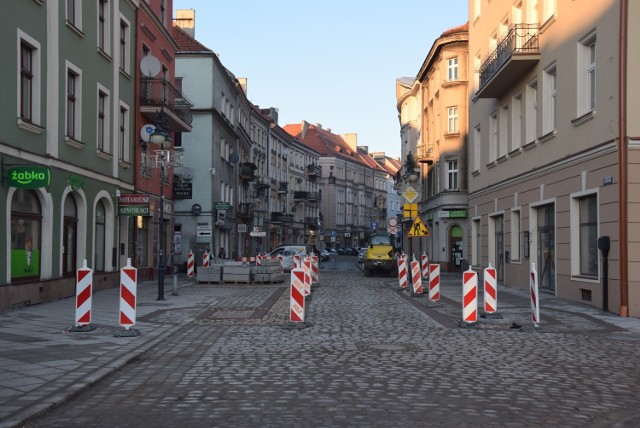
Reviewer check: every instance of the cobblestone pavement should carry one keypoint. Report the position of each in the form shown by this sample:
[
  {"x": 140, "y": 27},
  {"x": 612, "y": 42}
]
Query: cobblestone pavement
[{"x": 371, "y": 356}]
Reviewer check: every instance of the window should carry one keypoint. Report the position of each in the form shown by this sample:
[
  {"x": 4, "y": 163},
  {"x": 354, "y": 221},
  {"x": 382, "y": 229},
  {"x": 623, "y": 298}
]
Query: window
[
  {"x": 587, "y": 74},
  {"x": 74, "y": 103},
  {"x": 477, "y": 63},
  {"x": 493, "y": 137},
  {"x": 549, "y": 9},
  {"x": 516, "y": 122},
  {"x": 125, "y": 47},
  {"x": 550, "y": 100},
  {"x": 452, "y": 175},
  {"x": 452, "y": 120},
  {"x": 589, "y": 236},
  {"x": 26, "y": 82},
  {"x": 26, "y": 230},
  {"x": 103, "y": 123},
  {"x": 452, "y": 69},
  {"x": 28, "y": 76},
  {"x": 476, "y": 250},
  {"x": 74, "y": 13},
  {"x": 123, "y": 133},
  {"x": 515, "y": 235},
  {"x": 103, "y": 26},
  {"x": 476, "y": 9},
  {"x": 99, "y": 237},
  {"x": 531, "y": 115},
  {"x": 504, "y": 131},
  {"x": 476, "y": 148}
]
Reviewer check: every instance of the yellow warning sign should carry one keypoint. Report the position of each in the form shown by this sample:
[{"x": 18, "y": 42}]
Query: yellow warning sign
[
  {"x": 418, "y": 229},
  {"x": 410, "y": 210}
]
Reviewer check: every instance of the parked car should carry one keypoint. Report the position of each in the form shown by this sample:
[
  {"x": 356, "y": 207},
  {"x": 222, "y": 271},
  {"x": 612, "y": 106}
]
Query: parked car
[
  {"x": 340, "y": 251},
  {"x": 324, "y": 255},
  {"x": 287, "y": 258},
  {"x": 361, "y": 254}
]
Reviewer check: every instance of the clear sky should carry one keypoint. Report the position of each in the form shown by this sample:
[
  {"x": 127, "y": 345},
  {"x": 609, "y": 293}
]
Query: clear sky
[{"x": 333, "y": 62}]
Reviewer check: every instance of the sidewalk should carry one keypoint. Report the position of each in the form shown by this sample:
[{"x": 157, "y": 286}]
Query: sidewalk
[{"x": 42, "y": 363}]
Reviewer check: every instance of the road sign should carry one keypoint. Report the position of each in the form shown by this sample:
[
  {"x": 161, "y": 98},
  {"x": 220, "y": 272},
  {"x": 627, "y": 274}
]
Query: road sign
[
  {"x": 392, "y": 222},
  {"x": 222, "y": 206},
  {"x": 410, "y": 210},
  {"x": 392, "y": 230},
  {"x": 418, "y": 229},
  {"x": 204, "y": 229},
  {"x": 410, "y": 194}
]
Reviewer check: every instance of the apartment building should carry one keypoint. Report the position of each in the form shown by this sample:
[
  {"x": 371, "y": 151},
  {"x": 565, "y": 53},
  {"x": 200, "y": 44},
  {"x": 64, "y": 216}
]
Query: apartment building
[
  {"x": 553, "y": 155},
  {"x": 66, "y": 148},
  {"x": 433, "y": 128}
]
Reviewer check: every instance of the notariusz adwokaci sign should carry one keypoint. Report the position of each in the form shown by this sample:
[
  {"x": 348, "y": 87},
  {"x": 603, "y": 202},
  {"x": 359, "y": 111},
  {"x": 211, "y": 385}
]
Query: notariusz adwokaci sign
[
  {"x": 29, "y": 177},
  {"x": 133, "y": 204}
]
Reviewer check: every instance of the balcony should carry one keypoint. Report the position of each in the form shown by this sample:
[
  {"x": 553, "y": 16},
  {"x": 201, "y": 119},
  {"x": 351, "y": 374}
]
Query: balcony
[
  {"x": 300, "y": 196},
  {"x": 156, "y": 93},
  {"x": 283, "y": 187},
  {"x": 276, "y": 217},
  {"x": 245, "y": 210},
  {"x": 313, "y": 196},
  {"x": 261, "y": 183},
  {"x": 314, "y": 170},
  {"x": 516, "y": 55},
  {"x": 247, "y": 171},
  {"x": 425, "y": 155}
]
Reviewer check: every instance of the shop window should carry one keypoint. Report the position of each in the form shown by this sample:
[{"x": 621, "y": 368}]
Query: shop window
[{"x": 26, "y": 229}]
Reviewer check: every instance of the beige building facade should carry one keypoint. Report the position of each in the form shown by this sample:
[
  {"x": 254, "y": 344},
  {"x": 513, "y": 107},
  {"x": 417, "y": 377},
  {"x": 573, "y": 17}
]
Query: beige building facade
[
  {"x": 553, "y": 156},
  {"x": 433, "y": 126}
]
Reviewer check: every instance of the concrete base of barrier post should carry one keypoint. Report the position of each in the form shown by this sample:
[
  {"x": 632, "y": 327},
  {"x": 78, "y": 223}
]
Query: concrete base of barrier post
[
  {"x": 174, "y": 291},
  {"x": 82, "y": 328},
  {"x": 491, "y": 316},
  {"x": 464, "y": 324},
  {"x": 296, "y": 325},
  {"x": 127, "y": 333}
]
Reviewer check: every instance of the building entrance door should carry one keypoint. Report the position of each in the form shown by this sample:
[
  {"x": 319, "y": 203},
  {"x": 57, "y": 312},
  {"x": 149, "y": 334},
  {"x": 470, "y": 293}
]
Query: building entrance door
[{"x": 546, "y": 247}]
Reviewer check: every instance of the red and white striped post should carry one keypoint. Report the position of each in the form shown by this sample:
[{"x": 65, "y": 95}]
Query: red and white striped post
[
  {"x": 469, "y": 297},
  {"x": 535, "y": 297},
  {"x": 296, "y": 300},
  {"x": 314, "y": 268},
  {"x": 190, "y": 264},
  {"x": 128, "y": 292},
  {"x": 84, "y": 284},
  {"x": 280, "y": 259},
  {"x": 490, "y": 290},
  {"x": 416, "y": 277},
  {"x": 425, "y": 266},
  {"x": 205, "y": 260},
  {"x": 306, "y": 267},
  {"x": 258, "y": 260},
  {"x": 402, "y": 272},
  {"x": 297, "y": 262},
  {"x": 434, "y": 282}
]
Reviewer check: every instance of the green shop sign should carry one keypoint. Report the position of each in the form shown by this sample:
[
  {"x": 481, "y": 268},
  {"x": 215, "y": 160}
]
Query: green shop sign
[{"x": 29, "y": 177}]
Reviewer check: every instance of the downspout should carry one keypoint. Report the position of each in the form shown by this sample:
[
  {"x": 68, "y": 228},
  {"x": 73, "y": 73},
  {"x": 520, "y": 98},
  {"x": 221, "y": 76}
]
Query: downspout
[{"x": 622, "y": 161}]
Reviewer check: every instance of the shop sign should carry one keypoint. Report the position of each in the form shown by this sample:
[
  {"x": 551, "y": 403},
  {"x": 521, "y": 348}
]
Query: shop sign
[
  {"x": 75, "y": 181},
  {"x": 221, "y": 206},
  {"x": 453, "y": 214},
  {"x": 134, "y": 204},
  {"x": 182, "y": 190},
  {"x": 29, "y": 177}
]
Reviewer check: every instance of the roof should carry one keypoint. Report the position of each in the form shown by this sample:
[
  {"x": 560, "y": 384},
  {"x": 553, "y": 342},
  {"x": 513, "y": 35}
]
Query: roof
[
  {"x": 186, "y": 43},
  {"x": 331, "y": 145}
]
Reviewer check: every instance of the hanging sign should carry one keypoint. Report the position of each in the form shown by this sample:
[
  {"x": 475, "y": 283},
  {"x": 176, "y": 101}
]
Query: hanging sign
[{"x": 29, "y": 177}]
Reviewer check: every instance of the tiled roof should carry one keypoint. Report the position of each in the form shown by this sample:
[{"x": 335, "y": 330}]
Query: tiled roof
[
  {"x": 459, "y": 28},
  {"x": 186, "y": 43}
]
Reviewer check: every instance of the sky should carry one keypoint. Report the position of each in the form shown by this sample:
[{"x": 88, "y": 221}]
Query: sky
[{"x": 331, "y": 62}]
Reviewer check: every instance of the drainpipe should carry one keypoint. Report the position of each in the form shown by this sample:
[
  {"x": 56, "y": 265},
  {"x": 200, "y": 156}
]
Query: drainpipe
[{"x": 622, "y": 160}]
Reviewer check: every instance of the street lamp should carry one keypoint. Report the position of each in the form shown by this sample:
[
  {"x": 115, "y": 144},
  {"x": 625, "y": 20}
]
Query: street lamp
[{"x": 160, "y": 137}]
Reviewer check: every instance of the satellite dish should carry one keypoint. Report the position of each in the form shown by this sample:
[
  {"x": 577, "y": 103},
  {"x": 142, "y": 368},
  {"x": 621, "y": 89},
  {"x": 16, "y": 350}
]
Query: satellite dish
[
  {"x": 150, "y": 66},
  {"x": 187, "y": 173},
  {"x": 146, "y": 131}
]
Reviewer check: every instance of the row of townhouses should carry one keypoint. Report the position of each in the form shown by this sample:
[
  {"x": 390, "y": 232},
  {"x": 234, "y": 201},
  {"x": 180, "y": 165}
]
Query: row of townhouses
[
  {"x": 125, "y": 140},
  {"x": 517, "y": 132}
]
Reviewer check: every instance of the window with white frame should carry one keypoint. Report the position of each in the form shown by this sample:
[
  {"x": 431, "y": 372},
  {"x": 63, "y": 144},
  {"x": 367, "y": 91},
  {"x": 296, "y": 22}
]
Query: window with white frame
[
  {"x": 516, "y": 122},
  {"x": 531, "y": 114},
  {"x": 74, "y": 13},
  {"x": 452, "y": 175},
  {"x": 104, "y": 26},
  {"x": 549, "y": 116},
  {"x": 452, "y": 119},
  {"x": 29, "y": 74},
  {"x": 504, "y": 131},
  {"x": 583, "y": 215},
  {"x": 476, "y": 148},
  {"x": 74, "y": 103},
  {"x": 477, "y": 63},
  {"x": 532, "y": 11},
  {"x": 102, "y": 126},
  {"x": 476, "y": 249},
  {"x": 493, "y": 137},
  {"x": 548, "y": 9},
  {"x": 587, "y": 74},
  {"x": 125, "y": 46},
  {"x": 515, "y": 234},
  {"x": 123, "y": 133},
  {"x": 476, "y": 9},
  {"x": 452, "y": 69}
]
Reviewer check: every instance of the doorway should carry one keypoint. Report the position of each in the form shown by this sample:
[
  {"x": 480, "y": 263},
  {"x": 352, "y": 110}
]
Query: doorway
[
  {"x": 455, "y": 249},
  {"x": 499, "y": 247},
  {"x": 546, "y": 247}
]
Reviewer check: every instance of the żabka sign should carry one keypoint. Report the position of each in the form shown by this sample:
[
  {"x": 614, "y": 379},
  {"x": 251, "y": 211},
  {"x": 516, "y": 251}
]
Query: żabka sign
[{"x": 29, "y": 177}]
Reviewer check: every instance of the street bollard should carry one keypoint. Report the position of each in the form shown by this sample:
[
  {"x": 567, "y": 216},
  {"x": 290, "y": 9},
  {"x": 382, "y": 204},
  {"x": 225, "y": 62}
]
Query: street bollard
[
  {"x": 84, "y": 284},
  {"x": 533, "y": 291},
  {"x": 434, "y": 282},
  {"x": 469, "y": 297},
  {"x": 128, "y": 291},
  {"x": 416, "y": 278}
]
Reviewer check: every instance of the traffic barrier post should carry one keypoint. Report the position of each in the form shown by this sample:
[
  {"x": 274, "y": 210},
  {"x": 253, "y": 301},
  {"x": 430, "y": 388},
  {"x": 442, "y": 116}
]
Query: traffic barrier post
[
  {"x": 535, "y": 297},
  {"x": 84, "y": 291},
  {"x": 434, "y": 282},
  {"x": 128, "y": 293},
  {"x": 469, "y": 297}
]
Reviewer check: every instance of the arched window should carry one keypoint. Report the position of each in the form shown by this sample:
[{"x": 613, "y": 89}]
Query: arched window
[
  {"x": 26, "y": 228},
  {"x": 69, "y": 236},
  {"x": 99, "y": 237}
]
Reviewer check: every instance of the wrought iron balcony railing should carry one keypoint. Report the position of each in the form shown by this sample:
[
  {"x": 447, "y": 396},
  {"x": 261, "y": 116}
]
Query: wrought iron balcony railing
[{"x": 159, "y": 92}]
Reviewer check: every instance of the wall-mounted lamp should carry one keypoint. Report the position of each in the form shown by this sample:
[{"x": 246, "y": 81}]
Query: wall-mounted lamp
[{"x": 410, "y": 174}]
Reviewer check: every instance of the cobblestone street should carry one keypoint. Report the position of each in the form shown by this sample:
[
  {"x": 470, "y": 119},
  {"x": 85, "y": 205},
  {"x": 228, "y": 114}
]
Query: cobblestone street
[{"x": 371, "y": 356}]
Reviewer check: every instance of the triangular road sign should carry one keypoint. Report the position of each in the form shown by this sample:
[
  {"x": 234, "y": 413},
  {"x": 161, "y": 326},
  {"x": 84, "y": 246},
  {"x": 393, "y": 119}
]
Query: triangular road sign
[{"x": 418, "y": 229}]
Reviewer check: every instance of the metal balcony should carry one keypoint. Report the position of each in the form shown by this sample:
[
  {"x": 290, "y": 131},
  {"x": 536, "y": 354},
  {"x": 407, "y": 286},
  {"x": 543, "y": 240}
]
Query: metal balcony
[
  {"x": 516, "y": 55},
  {"x": 300, "y": 196},
  {"x": 314, "y": 170},
  {"x": 283, "y": 187},
  {"x": 157, "y": 93},
  {"x": 313, "y": 196}
]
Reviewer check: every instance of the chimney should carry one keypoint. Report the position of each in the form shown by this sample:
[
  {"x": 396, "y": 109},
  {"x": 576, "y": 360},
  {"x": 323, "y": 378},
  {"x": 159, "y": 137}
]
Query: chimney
[
  {"x": 364, "y": 149},
  {"x": 243, "y": 84},
  {"x": 186, "y": 19},
  {"x": 305, "y": 128},
  {"x": 352, "y": 141}
]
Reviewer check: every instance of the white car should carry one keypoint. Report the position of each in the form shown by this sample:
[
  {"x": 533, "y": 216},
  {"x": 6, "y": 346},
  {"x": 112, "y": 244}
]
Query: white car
[{"x": 287, "y": 258}]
